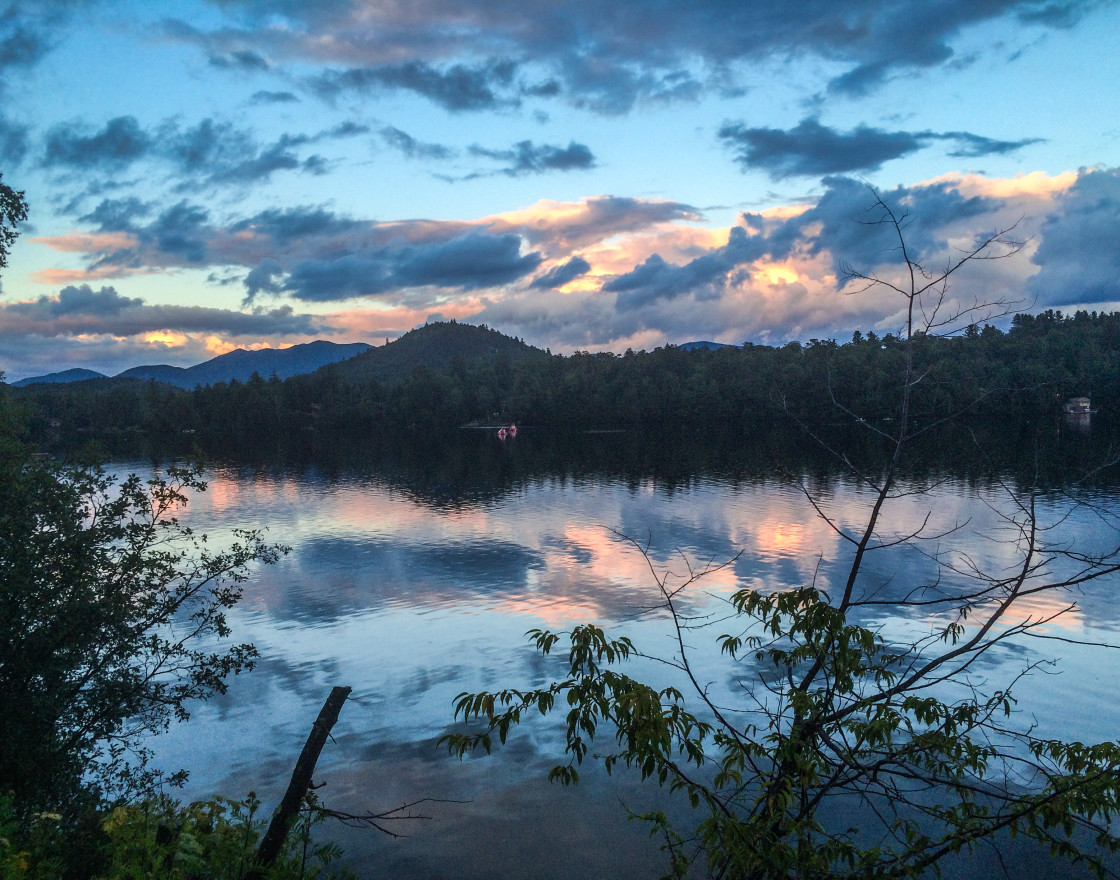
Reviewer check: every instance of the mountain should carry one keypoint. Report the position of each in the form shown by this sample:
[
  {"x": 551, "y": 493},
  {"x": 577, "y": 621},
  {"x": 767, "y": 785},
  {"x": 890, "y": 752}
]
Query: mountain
[
  {"x": 711, "y": 346},
  {"x": 75, "y": 375},
  {"x": 436, "y": 346},
  {"x": 238, "y": 364}
]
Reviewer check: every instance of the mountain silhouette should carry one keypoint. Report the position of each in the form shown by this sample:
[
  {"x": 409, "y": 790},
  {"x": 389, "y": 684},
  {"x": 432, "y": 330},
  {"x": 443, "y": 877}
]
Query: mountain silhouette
[{"x": 238, "y": 364}]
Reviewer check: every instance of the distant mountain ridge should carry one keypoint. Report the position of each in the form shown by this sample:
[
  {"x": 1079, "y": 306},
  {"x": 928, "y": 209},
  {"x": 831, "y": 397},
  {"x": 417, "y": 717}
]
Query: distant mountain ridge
[
  {"x": 436, "y": 346},
  {"x": 238, "y": 364},
  {"x": 77, "y": 374}
]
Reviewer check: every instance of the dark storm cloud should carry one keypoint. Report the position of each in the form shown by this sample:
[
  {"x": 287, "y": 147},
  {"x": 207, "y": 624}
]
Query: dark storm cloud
[
  {"x": 117, "y": 215},
  {"x": 1079, "y": 251},
  {"x": 973, "y": 145},
  {"x": 266, "y": 97},
  {"x": 260, "y": 167},
  {"x": 527, "y": 158},
  {"x": 181, "y": 231},
  {"x": 285, "y": 225},
  {"x": 456, "y": 88},
  {"x": 613, "y": 92},
  {"x": 118, "y": 144},
  {"x": 23, "y": 39},
  {"x": 260, "y": 279},
  {"x": 224, "y": 155},
  {"x": 81, "y": 310},
  {"x": 703, "y": 277},
  {"x": 207, "y": 145},
  {"x": 344, "y": 130},
  {"x": 84, "y": 300},
  {"x": 467, "y": 262},
  {"x": 813, "y": 150},
  {"x": 844, "y": 223},
  {"x": 603, "y": 216},
  {"x": 560, "y": 275},
  {"x": 241, "y": 59},
  {"x": 210, "y": 153},
  {"x": 414, "y": 149},
  {"x": 182, "y": 235},
  {"x": 641, "y": 50},
  {"x": 850, "y": 230},
  {"x": 13, "y": 142}
]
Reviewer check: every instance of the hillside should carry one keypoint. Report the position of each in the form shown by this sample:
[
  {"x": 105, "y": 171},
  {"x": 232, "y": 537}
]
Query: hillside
[
  {"x": 435, "y": 346},
  {"x": 710, "y": 346},
  {"x": 75, "y": 375}
]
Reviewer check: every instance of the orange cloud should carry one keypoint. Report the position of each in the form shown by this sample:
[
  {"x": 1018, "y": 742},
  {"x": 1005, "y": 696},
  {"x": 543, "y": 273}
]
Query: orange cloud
[
  {"x": 56, "y": 277},
  {"x": 167, "y": 338},
  {"x": 217, "y": 345},
  {"x": 88, "y": 242},
  {"x": 360, "y": 323},
  {"x": 1035, "y": 183},
  {"x": 562, "y": 227}
]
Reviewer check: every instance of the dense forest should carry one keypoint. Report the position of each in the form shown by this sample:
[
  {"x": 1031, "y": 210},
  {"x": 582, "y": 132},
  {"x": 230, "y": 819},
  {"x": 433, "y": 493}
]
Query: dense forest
[{"x": 446, "y": 375}]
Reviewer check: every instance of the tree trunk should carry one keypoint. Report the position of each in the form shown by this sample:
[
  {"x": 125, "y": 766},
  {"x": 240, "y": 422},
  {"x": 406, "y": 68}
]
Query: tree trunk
[{"x": 282, "y": 819}]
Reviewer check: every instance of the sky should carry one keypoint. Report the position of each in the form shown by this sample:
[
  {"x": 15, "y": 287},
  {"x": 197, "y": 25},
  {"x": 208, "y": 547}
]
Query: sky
[{"x": 203, "y": 176}]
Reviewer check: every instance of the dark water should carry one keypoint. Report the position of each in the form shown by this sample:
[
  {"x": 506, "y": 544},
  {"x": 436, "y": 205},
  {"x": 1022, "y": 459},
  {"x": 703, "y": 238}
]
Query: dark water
[{"x": 414, "y": 575}]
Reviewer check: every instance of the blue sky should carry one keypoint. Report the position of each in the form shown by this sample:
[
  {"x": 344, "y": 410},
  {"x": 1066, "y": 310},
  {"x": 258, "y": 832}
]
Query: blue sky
[{"x": 585, "y": 175}]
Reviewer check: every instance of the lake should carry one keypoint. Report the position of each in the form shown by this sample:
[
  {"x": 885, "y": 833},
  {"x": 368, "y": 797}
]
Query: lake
[{"x": 414, "y": 575}]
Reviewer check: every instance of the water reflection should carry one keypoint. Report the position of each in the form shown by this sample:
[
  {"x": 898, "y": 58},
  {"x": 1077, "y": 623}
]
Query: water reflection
[{"x": 412, "y": 587}]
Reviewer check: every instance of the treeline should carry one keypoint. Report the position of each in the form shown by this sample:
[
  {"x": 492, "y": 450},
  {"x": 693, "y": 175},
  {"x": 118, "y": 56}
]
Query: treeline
[{"x": 1022, "y": 375}]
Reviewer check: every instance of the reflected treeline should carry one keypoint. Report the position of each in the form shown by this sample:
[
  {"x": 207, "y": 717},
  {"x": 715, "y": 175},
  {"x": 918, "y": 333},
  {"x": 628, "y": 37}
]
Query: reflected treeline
[{"x": 472, "y": 467}]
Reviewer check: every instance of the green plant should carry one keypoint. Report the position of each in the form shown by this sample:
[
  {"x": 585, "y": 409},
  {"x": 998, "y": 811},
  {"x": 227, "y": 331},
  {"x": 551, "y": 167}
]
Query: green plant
[
  {"x": 833, "y": 711},
  {"x": 215, "y": 838},
  {"x": 112, "y": 620}
]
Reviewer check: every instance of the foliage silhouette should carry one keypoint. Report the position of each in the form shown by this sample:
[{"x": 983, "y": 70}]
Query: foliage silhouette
[
  {"x": 112, "y": 620},
  {"x": 834, "y": 711}
]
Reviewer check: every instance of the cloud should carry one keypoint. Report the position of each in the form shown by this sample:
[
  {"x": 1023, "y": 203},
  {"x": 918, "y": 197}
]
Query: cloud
[
  {"x": 560, "y": 275},
  {"x": 467, "y": 262},
  {"x": 267, "y": 97},
  {"x": 117, "y": 215},
  {"x": 85, "y": 301},
  {"x": 260, "y": 279},
  {"x": 844, "y": 223},
  {"x": 285, "y": 225},
  {"x": 973, "y": 145},
  {"x": 180, "y": 230},
  {"x": 812, "y": 150},
  {"x": 117, "y": 145},
  {"x": 23, "y": 38},
  {"x": 316, "y": 254},
  {"x": 13, "y": 141},
  {"x": 527, "y": 158},
  {"x": 609, "y": 63},
  {"x": 457, "y": 88},
  {"x": 241, "y": 59},
  {"x": 412, "y": 148},
  {"x": 1078, "y": 256},
  {"x": 567, "y": 226},
  {"x": 207, "y": 154},
  {"x": 82, "y": 311},
  {"x": 703, "y": 277}
]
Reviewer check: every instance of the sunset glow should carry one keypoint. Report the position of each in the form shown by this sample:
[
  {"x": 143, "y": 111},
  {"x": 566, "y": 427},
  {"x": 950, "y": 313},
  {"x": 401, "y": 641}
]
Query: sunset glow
[{"x": 346, "y": 172}]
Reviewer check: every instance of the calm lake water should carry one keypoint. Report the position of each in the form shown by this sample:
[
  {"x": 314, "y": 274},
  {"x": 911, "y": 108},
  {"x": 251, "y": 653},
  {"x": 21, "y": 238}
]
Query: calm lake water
[{"x": 414, "y": 578}]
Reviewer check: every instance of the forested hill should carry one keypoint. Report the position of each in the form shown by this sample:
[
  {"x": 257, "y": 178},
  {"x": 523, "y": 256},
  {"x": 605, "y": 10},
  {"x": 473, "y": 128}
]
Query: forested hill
[
  {"x": 439, "y": 347},
  {"x": 446, "y": 375}
]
